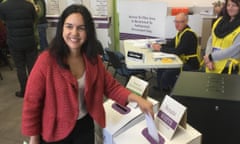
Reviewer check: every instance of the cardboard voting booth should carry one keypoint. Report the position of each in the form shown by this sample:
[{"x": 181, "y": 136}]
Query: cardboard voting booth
[
  {"x": 169, "y": 127},
  {"x": 118, "y": 122},
  {"x": 120, "y": 118}
]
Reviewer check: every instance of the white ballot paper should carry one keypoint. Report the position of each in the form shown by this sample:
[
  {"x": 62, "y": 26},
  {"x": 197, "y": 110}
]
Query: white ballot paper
[
  {"x": 151, "y": 126},
  {"x": 157, "y": 55}
]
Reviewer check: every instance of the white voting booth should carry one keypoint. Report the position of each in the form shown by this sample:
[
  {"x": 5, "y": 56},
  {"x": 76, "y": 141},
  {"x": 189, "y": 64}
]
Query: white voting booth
[
  {"x": 118, "y": 122},
  {"x": 151, "y": 22},
  {"x": 120, "y": 118}
]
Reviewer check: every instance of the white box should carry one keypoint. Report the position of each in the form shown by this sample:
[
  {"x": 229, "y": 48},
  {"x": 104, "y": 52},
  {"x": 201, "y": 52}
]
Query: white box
[
  {"x": 182, "y": 136},
  {"x": 117, "y": 123}
]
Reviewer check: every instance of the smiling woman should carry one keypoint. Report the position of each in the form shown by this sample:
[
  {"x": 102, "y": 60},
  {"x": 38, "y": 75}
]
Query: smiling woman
[
  {"x": 74, "y": 33},
  {"x": 72, "y": 84}
]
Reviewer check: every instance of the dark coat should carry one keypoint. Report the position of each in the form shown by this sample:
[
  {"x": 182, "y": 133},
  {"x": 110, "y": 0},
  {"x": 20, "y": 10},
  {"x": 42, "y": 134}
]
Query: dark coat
[{"x": 19, "y": 17}]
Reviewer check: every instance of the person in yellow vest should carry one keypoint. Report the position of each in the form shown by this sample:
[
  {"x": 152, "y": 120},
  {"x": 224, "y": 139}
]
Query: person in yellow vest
[
  {"x": 185, "y": 45},
  {"x": 223, "y": 48}
]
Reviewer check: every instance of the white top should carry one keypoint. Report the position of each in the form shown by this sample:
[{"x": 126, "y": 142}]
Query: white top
[{"x": 82, "y": 107}]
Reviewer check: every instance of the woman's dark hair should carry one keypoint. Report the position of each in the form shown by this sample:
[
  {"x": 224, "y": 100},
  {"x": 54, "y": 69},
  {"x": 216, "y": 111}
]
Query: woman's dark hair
[
  {"x": 59, "y": 49},
  {"x": 226, "y": 25},
  {"x": 224, "y": 10}
]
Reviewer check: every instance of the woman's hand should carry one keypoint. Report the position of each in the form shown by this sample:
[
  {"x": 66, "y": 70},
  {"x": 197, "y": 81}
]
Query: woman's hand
[
  {"x": 145, "y": 105},
  {"x": 206, "y": 59},
  {"x": 210, "y": 65},
  {"x": 34, "y": 140},
  {"x": 208, "y": 62}
]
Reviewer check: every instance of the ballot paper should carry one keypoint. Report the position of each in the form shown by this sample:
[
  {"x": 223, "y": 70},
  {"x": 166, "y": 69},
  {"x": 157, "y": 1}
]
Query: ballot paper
[
  {"x": 141, "y": 43},
  {"x": 151, "y": 126},
  {"x": 159, "y": 55}
]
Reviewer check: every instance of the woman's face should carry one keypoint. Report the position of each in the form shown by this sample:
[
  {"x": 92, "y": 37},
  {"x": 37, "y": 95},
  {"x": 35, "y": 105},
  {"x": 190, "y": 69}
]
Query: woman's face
[
  {"x": 74, "y": 31},
  {"x": 232, "y": 9}
]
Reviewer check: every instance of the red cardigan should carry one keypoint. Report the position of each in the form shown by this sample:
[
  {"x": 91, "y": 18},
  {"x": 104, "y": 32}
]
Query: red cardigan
[{"x": 51, "y": 104}]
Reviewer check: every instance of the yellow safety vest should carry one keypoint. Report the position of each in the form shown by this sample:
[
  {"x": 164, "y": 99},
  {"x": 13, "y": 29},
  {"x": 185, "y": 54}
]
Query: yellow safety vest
[
  {"x": 223, "y": 43},
  {"x": 183, "y": 57}
]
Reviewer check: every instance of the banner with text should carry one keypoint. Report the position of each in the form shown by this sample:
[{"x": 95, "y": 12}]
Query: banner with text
[{"x": 141, "y": 19}]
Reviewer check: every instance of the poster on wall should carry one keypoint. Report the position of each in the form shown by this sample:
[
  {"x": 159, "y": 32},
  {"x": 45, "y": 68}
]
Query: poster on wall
[
  {"x": 55, "y": 7},
  {"x": 141, "y": 19},
  {"x": 99, "y": 7},
  {"x": 70, "y": 2}
]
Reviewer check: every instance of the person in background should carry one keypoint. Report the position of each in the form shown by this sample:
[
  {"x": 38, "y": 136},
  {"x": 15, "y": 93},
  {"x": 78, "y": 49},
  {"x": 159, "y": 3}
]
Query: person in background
[
  {"x": 42, "y": 24},
  {"x": 185, "y": 45},
  {"x": 71, "y": 84},
  {"x": 223, "y": 50},
  {"x": 3, "y": 44},
  {"x": 19, "y": 17},
  {"x": 3, "y": 35}
]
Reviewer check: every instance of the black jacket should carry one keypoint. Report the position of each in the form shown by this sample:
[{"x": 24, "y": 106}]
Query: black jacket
[
  {"x": 19, "y": 17},
  {"x": 187, "y": 46}
]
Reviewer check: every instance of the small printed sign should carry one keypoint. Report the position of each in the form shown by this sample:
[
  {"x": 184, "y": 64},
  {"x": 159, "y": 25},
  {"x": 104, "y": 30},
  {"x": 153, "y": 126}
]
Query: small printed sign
[
  {"x": 171, "y": 114},
  {"x": 135, "y": 56},
  {"x": 137, "y": 86}
]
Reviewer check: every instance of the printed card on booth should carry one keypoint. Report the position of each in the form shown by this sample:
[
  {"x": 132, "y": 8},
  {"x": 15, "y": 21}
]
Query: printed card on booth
[
  {"x": 137, "y": 86},
  {"x": 171, "y": 114}
]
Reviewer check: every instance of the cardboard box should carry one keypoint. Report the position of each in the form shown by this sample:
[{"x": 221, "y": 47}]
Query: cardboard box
[
  {"x": 117, "y": 123},
  {"x": 134, "y": 136}
]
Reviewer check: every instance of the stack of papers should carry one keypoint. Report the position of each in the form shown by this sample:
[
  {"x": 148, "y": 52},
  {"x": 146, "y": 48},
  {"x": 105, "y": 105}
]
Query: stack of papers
[
  {"x": 160, "y": 55},
  {"x": 141, "y": 45},
  {"x": 146, "y": 43}
]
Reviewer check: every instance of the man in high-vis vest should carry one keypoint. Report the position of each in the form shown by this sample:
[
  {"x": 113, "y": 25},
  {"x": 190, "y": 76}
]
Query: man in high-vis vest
[
  {"x": 223, "y": 47},
  {"x": 185, "y": 45}
]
